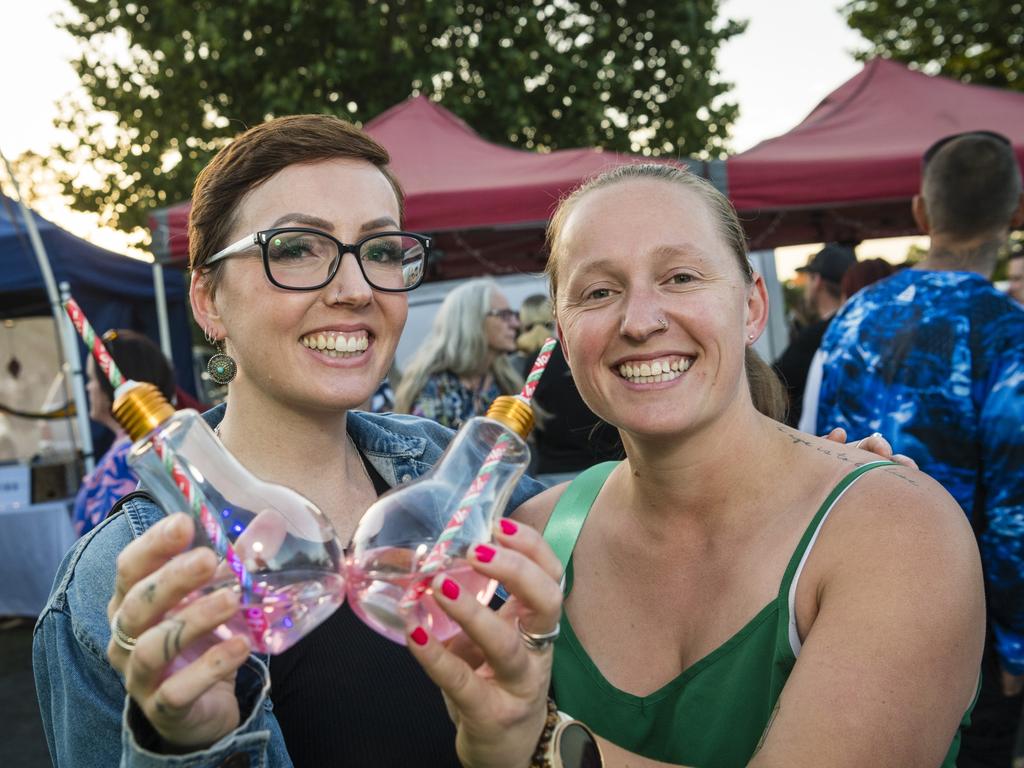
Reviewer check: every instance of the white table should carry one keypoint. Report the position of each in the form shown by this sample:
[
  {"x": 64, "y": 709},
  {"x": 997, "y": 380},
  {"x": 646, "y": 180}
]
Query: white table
[{"x": 33, "y": 541}]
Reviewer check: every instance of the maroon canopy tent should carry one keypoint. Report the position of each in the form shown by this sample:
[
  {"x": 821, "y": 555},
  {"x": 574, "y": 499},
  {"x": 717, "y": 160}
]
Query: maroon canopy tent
[
  {"x": 850, "y": 169},
  {"x": 485, "y": 204}
]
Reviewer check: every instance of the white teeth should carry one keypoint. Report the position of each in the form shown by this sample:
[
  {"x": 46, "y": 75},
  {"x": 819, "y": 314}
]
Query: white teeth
[
  {"x": 645, "y": 369},
  {"x": 335, "y": 345},
  {"x": 656, "y": 368}
]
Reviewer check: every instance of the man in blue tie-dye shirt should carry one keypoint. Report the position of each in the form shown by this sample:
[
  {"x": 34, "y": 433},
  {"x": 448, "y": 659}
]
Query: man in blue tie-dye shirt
[{"x": 933, "y": 358}]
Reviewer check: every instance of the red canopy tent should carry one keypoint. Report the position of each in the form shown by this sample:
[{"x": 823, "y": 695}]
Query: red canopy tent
[
  {"x": 486, "y": 204},
  {"x": 850, "y": 169}
]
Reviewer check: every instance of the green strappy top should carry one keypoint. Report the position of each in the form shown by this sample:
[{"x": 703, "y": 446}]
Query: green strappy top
[{"x": 714, "y": 713}]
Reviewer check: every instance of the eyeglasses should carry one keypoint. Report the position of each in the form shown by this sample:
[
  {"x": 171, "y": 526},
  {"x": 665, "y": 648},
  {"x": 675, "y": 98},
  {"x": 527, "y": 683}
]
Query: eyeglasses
[
  {"x": 508, "y": 315},
  {"x": 934, "y": 148},
  {"x": 303, "y": 259}
]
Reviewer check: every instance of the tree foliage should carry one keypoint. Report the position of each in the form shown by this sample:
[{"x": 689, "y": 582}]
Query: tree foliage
[
  {"x": 981, "y": 41},
  {"x": 165, "y": 84}
]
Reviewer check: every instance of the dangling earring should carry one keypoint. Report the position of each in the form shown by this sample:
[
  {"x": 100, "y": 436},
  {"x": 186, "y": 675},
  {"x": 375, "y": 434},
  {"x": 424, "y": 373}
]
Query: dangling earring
[{"x": 222, "y": 366}]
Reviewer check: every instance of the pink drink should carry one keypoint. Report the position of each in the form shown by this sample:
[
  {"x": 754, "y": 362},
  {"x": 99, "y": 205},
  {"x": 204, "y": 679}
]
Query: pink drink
[
  {"x": 291, "y": 611},
  {"x": 376, "y": 592}
]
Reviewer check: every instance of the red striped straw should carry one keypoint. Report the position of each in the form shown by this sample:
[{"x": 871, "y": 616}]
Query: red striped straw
[
  {"x": 438, "y": 555},
  {"x": 543, "y": 357},
  {"x": 94, "y": 343},
  {"x": 193, "y": 495}
]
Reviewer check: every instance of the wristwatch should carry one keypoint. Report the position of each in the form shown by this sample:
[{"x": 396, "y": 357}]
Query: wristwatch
[{"x": 573, "y": 745}]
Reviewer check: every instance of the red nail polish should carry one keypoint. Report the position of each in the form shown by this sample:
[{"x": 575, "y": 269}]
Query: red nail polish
[
  {"x": 419, "y": 636},
  {"x": 508, "y": 527},
  {"x": 484, "y": 553},
  {"x": 450, "y": 589}
]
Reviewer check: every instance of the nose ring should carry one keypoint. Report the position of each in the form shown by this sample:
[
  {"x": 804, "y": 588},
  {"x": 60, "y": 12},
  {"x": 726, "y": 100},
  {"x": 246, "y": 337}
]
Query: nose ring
[{"x": 663, "y": 323}]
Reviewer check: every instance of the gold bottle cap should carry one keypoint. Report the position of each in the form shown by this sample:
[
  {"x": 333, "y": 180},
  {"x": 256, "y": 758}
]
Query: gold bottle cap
[
  {"x": 514, "y": 413},
  {"x": 141, "y": 408}
]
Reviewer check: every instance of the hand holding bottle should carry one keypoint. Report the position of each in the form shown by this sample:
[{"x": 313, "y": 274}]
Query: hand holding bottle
[
  {"x": 195, "y": 705},
  {"x": 496, "y": 685}
]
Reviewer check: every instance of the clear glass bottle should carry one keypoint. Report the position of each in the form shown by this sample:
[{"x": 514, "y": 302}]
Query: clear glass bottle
[
  {"x": 398, "y": 535},
  {"x": 277, "y": 549}
]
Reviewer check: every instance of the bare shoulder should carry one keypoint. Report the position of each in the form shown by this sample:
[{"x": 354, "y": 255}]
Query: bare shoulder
[
  {"x": 906, "y": 508},
  {"x": 536, "y": 510}
]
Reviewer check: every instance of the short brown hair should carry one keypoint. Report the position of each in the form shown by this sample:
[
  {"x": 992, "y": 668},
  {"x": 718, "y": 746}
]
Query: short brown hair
[
  {"x": 259, "y": 153},
  {"x": 765, "y": 389},
  {"x": 971, "y": 185}
]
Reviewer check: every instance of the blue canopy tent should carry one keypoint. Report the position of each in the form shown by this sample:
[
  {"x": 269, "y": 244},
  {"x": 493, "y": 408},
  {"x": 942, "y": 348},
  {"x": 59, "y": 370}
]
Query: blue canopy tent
[{"x": 114, "y": 291}]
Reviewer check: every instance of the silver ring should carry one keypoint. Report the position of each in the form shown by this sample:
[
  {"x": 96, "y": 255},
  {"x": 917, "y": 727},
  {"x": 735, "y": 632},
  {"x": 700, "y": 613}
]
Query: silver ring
[
  {"x": 539, "y": 642},
  {"x": 123, "y": 640}
]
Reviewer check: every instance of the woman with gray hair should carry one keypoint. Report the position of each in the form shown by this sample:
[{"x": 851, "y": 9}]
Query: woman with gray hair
[{"x": 464, "y": 363}]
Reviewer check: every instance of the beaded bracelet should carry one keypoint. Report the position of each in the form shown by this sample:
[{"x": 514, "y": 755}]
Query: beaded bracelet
[{"x": 540, "y": 754}]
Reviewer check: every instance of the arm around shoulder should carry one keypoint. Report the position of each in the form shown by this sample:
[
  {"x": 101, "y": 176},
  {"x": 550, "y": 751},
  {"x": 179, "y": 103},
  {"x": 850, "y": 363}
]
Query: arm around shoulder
[{"x": 890, "y": 657}]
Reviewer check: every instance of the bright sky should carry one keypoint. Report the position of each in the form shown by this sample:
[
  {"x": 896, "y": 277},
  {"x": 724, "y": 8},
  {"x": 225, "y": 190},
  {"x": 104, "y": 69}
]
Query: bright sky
[{"x": 791, "y": 56}]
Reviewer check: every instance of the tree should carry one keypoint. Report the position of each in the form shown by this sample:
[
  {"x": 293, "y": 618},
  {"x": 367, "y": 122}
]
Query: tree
[
  {"x": 981, "y": 41},
  {"x": 166, "y": 84}
]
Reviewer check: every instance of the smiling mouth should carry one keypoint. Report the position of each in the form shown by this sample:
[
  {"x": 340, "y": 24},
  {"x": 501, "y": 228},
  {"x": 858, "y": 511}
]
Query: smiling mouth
[
  {"x": 654, "y": 371},
  {"x": 335, "y": 344}
]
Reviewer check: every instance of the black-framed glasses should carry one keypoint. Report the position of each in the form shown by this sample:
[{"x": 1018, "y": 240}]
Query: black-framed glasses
[
  {"x": 304, "y": 259},
  {"x": 508, "y": 315},
  {"x": 934, "y": 148}
]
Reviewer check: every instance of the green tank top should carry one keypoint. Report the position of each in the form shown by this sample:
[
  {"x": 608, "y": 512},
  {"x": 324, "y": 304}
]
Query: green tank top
[{"x": 714, "y": 713}]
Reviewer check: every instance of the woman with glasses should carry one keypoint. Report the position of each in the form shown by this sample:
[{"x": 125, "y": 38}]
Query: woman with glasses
[
  {"x": 464, "y": 363},
  {"x": 300, "y": 273}
]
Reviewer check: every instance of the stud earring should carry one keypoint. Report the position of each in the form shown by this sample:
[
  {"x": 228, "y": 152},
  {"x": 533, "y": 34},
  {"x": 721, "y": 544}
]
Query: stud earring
[
  {"x": 222, "y": 366},
  {"x": 750, "y": 337}
]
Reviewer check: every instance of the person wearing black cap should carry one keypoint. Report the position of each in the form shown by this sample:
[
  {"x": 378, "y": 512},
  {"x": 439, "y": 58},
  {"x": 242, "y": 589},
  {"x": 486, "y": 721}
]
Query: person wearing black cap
[{"x": 825, "y": 271}]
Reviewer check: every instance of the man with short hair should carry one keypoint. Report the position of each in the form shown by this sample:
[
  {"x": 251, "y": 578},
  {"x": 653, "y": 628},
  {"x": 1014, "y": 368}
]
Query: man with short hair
[
  {"x": 933, "y": 358},
  {"x": 825, "y": 273},
  {"x": 1015, "y": 275}
]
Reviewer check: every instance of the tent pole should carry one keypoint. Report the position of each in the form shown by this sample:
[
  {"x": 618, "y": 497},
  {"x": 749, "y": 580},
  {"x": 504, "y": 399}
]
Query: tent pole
[
  {"x": 161, "y": 309},
  {"x": 69, "y": 343}
]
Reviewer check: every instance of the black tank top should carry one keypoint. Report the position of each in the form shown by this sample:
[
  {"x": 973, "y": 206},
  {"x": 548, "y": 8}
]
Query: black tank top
[{"x": 346, "y": 696}]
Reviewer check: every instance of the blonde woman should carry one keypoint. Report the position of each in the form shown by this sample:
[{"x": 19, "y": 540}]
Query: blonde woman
[{"x": 464, "y": 364}]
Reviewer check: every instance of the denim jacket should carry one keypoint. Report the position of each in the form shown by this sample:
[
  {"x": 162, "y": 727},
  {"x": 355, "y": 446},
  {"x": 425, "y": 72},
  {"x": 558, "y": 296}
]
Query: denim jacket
[{"x": 87, "y": 716}]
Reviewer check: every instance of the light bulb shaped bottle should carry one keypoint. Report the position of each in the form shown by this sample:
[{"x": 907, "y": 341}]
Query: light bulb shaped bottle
[
  {"x": 277, "y": 550},
  {"x": 426, "y": 527}
]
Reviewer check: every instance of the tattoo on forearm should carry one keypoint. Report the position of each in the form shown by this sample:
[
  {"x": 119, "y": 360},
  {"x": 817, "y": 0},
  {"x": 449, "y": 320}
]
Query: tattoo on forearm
[{"x": 172, "y": 639}]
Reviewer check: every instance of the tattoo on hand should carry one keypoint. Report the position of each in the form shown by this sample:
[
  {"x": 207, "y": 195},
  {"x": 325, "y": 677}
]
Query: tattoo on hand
[
  {"x": 150, "y": 593},
  {"x": 172, "y": 639}
]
